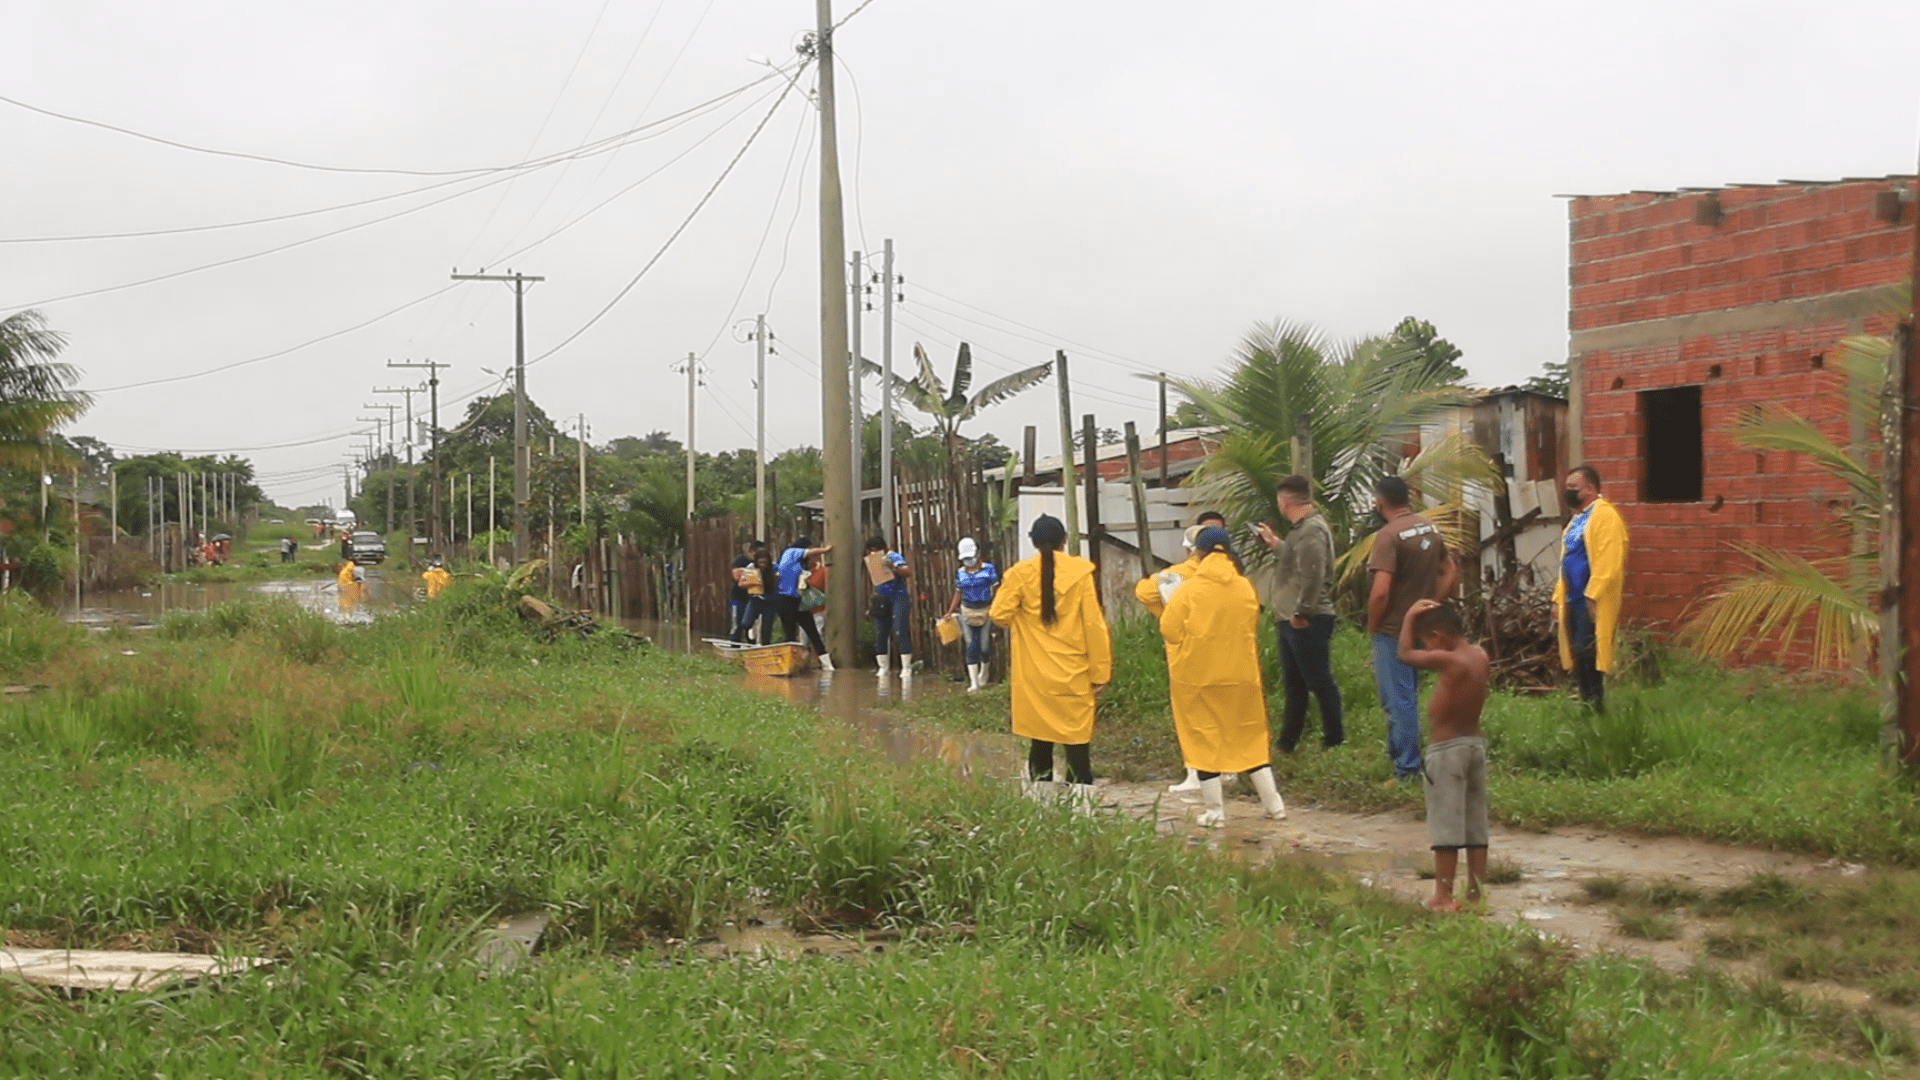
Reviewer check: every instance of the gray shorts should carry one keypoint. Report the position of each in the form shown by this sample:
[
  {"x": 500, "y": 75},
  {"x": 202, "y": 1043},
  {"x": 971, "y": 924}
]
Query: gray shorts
[{"x": 1456, "y": 772}]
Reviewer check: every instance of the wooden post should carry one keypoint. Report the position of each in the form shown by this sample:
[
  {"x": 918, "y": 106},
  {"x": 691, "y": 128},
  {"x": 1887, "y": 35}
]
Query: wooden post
[
  {"x": 1091, "y": 436},
  {"x": 1028, "y": 478},
  {"x": 1066, "y": 452},
  {"x": 1149, "y": 562},
  {"x": 1898, "y": 617}
]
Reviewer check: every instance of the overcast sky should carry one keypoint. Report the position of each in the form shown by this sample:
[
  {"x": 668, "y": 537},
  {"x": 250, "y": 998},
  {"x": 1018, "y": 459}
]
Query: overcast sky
[{"x": 1145, "y": 180}]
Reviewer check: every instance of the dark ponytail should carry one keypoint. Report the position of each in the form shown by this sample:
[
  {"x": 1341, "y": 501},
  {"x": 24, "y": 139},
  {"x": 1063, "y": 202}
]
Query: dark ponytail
[{"x": 1049, "y": 608}]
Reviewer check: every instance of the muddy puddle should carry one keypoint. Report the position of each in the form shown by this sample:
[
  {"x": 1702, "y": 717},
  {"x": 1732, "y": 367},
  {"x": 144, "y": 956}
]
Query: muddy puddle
[{"x": 145, "y": 607}]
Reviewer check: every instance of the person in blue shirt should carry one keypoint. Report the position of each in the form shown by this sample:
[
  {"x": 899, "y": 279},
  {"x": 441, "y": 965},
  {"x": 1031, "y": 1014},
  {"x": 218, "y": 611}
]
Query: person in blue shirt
[
  {"x": 973, "y": 588},
  {"x": 791, "y": 571},
  {"x": 890, "y": 607}
]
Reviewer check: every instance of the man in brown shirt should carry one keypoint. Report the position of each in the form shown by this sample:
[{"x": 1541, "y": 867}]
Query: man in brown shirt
[{"x": 1409, "y": 562}]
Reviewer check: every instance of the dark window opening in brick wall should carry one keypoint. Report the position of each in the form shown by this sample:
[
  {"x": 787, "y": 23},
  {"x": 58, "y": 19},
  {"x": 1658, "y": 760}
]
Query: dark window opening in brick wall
[{"x": 1672, "y": 458}]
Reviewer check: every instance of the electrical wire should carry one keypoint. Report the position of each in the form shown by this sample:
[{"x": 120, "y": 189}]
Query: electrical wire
[
  {"x": 779, "y": 192},
  {"x": 664, "y": 248},
  {"x": 982, "y": 354},
  {"x": 922, "y": 307},
  {"x": 859, "y": 143},
  {"x": 1088, "y": 349}
]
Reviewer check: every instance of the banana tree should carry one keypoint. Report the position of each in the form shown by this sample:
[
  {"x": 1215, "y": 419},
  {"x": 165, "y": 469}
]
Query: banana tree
[{"x": 950, "y": 406}]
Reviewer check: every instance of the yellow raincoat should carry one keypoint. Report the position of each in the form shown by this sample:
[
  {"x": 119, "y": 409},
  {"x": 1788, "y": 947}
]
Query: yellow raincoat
[
  {"x": 436, "y": 578},
  {"x": 349, "y": 588},
  {"x": 1212, "y": 628},
  {"x": 1054, "y": 667},
  {"x": 1606, "y": 539},
  {"x": 1148, "y": 591}
]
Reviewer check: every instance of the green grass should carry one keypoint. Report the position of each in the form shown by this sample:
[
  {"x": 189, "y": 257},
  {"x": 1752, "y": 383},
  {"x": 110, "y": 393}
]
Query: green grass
[
  {"x": 358, "y": 810},
  {"x": 1743, "y": 757}
]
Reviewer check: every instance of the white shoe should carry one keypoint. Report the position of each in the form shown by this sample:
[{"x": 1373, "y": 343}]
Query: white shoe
[
  {"x": 973, "y": 677},
  {"x": 906, "y": 665},
  {"x": 1191, "y": 783},
  {"x": 1215, "y": 815},
  {"x": 1040, "y": 791},
  {"x": 1270, "y": 799},
  {"x": 1082, "y": 797},
  {"x": 826, "y": 663},
  {"x": 880, "y": 665}
]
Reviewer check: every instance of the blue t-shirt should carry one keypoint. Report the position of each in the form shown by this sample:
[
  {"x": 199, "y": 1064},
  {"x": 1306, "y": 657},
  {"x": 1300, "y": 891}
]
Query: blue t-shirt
[
  {"x": 793, "y": 566},
  {"x": 893, "y": 587},
  {"x": 976, "y": 586},
  {"x": 1575, "y": 570}
]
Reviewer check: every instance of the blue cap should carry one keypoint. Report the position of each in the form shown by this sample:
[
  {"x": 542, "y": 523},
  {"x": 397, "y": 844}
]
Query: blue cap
[{"x": 1213, "y": 538}]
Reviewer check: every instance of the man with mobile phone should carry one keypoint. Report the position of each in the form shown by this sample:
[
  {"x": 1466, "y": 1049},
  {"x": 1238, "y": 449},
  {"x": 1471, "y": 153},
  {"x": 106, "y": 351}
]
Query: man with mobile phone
[{"x": 1302, "y": 605}]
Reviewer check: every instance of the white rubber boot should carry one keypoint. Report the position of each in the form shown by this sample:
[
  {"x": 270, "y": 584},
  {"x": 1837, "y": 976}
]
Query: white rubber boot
[
  {"x": 973, "y": 677},
  {"x": 1081, "y": 797},
  {"x": 1191, "y": 783},
  {"x": 1276, "y": 807},
  {"x": 1215, "y": 815},
  {"x": 826, "y": 663},
  {"x": 880, "y": 665},
  {"x": 906, "y": 665}
]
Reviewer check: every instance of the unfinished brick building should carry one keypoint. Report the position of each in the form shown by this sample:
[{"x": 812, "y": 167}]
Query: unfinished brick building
[{"x": 1690, "y": 306}]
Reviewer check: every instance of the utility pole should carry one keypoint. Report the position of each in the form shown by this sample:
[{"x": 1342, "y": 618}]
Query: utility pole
[
  {"x": 469, "y": 515},
  {"x": 760, "y": 428},
  {"x": 583, "y": 472},
  {"x": 886, "y": 390},
  {"x": 520, "y": 461},
  {"x": 1163, "y": 431},
  {"x": 433, "y": 398},
  {"x": 552, "y": 569},
  {"x": 113, "y": 505},
  {"x": 859, "y": 426},
  {"x": 408, "y": 391},
  {"x": 491, "y": 527},
  {"x": 390, "y": 407},
  {"x": 842, "y": 498},
  {"x": 1900, "y": 541},
  {"x": 692, "y": 368},
  {"x": 1066, "y": 453},
  {"x": 1090, "y": 435}
]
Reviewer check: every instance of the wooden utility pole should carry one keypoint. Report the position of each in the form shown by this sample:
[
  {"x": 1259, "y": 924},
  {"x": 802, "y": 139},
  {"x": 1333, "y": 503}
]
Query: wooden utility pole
[
  {"x": 521, "y": 462},
  {"x": 1029, "y": 445},
  {"x": 1066, "y": 452},
  {"x": 1149, "y": 562},
  {"x": 1163, "y": 431},
  {"x": 582, "y": 446},
  {"x": 1091, "y": 457},
  {"x": 836, "y": 420},
  {"x": 1900, "y": 546},
  {"x": 433, "y": 367}
]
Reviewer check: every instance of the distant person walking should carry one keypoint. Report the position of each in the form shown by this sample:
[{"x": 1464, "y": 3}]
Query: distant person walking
[
  {"x": 1302, "y": 605},
  {"x": 973, "y": 587},
  {"x": 1212, "y": 631},
  {"x": 791, "y": 574},
  {"x": 1586, "y": 599},
  {"x": 759, "y": 580},
  {"x": 1410, "y": 562},
  {"x": 288, "y": 546},
  {"x": 1062, "y": 654},
  {"x": 890, "y": 607}
]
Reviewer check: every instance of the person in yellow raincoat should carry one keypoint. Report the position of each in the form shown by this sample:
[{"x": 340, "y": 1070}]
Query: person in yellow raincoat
[
  {"x": 436, "y": 578},
  {"x": 1062, "y": 655},
  {"x": 1152, "y": 592},
  {"x": 1593, "y": 570},
  {"x": 353, "y": 581},
  {"x": 1212, "y": 629}
]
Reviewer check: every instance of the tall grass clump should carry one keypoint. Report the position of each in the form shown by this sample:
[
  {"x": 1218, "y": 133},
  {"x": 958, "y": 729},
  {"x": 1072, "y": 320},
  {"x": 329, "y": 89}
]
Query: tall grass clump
[
  {"x": 30, "y": 634},
  {"x": 297, "y": 632}
]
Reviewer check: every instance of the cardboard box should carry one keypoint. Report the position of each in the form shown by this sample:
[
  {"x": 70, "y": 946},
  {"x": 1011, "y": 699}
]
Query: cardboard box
[{"x": 878, "y": 568}]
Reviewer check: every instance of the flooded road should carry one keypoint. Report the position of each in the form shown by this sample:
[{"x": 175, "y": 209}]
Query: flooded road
[{"x": 144, "y": 607}]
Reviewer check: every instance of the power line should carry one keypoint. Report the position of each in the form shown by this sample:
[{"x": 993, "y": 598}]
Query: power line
[
  {"x": 859, "y": 144},
  {"x": 982, "y": 352},
  {"x": 1095, "y": 352},
  {"x": 779, "y": 193}
]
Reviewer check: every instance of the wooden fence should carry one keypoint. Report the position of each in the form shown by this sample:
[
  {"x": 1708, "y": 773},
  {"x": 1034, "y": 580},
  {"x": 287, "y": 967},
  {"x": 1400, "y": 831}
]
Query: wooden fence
[
  {"x": 711, "y": 545},
  {"x": 933, "y": 510}
]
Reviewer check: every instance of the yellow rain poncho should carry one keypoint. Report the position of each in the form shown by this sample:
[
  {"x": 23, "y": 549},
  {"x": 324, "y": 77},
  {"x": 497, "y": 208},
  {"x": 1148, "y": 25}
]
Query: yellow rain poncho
[
  {"x": 436, "y": 578},
  {"x": 1054, "y": 667},
  {"x": 1212, "y": 627},
  {"x": 1606, "y": 540},
  {"x": 1148, "y": 590}
]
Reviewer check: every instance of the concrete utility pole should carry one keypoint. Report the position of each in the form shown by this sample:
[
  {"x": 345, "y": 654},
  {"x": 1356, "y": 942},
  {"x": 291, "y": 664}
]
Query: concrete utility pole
[
  {"x": 433, "y": 398},
  {"x": 469, "y": 515},
  {"x": 841, "y": 494},
  {"x": 853, "y": 339},
  {"x": 491, "y": 527},
  {"x": 390, "y": 407},
  {"x": 1066, "y": 452},
  {"x": 409, "y": 391},
  {"x": 760, "y": 428},
  {"x": 886, "y": 391},
  {"x": 1163, "y": 431},
  {"x": 521, "y": 464},
  {"x": 692, "y": 368}
]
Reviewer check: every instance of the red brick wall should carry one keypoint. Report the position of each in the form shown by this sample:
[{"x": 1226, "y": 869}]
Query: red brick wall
[{"x": 1641, "y": 257}]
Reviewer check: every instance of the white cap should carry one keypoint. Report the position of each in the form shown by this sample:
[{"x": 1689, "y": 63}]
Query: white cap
[
  {"x": 968, "y": 549},
  {"x": 1187, "y": 540}
]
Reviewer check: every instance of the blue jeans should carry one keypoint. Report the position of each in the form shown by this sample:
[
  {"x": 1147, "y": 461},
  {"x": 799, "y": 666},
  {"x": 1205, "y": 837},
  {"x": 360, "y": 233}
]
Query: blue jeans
[
  {"x": 976, "y": 639},
  {"x": 758, "y": 609},
  {"x": 1306, "y": 668},
  {"x": 1400, "y": 693},
  {"x": 894, "y": 627},
  {"x": 736, "y": 619}
]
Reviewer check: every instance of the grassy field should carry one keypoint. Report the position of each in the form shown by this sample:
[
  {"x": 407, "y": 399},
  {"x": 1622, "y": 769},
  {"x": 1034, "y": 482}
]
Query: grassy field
[
  {"x": 357, "y": 802},
  {"x": 1749, "y": 757}
]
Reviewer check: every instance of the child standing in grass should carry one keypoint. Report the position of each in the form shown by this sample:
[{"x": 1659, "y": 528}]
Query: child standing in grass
[{"x": 1434, "y": 638}]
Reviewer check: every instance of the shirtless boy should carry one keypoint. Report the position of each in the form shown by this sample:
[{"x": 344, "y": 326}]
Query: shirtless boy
[{"x": 1432, "y": 637}]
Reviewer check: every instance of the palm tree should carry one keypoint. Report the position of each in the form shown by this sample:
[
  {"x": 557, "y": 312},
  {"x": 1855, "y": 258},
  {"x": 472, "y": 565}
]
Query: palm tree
[
  {"x": 36, "y": 390},
  {"x": 1786, "y": 596},
  {"x": 1364, "y": 404},
  {"x": 951, "y": 408}
]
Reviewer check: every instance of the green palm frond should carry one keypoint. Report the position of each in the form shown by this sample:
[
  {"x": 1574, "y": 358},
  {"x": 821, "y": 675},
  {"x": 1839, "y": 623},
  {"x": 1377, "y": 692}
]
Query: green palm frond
[
  {"x": 1776, "y": 427},
  {"x": 928, "y": 378},
  {"x": 1774, "y": 604},
  {"x": 1456, "y": 527},
  {"x": 962, "y": 376}
]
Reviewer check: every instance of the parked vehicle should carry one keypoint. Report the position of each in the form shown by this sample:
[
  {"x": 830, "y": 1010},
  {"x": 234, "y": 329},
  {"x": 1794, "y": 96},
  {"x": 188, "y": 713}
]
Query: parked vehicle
[{"x": 367, "y": 548}]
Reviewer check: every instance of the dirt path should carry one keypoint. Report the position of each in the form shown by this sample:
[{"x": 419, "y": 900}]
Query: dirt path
[{"x": 1390, "y": 851}]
